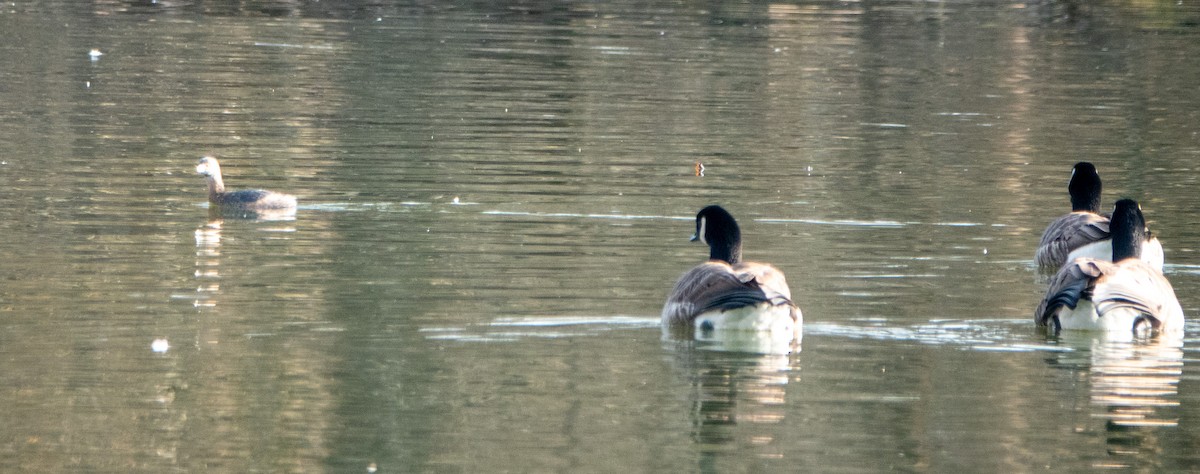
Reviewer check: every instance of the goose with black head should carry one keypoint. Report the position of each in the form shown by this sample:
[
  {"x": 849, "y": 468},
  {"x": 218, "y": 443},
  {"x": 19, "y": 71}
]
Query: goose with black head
[
  {"x": 1124, "y": 294},
  {"x": 1084, "y": 232},
  {"x": 729, "y": 294}
]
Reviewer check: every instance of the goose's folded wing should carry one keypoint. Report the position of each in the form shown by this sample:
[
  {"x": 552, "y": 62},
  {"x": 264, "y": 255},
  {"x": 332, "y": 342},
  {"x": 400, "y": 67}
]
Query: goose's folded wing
[
  {"x": 1068, "y": 233},
  {"x": 1072, "y": 282},
  {"x": 737, "y": 298},
  {"x": 1137, "y": 287},
  {"x": 769, "y": 280},
  {"x": 709, "y": 286}
]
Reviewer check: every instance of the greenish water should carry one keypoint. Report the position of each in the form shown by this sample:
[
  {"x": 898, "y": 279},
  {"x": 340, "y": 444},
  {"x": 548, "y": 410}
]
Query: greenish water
[{"x": 494, "y": 201}]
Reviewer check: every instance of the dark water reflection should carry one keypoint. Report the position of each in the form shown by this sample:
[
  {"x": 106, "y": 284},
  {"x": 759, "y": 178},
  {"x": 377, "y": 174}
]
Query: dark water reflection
[{"x": 494, "y": 201}]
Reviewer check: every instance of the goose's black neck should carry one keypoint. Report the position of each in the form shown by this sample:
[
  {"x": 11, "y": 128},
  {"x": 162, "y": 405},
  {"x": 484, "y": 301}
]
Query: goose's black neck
[
  {"x": 717, "y": 228},
  {"x": 1128, "y": 230},
  {"x": 1085, "y": 188},
  {"x": 730, "y": 254}
]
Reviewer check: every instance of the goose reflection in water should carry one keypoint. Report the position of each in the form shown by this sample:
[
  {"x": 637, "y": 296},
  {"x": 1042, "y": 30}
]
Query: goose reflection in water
[
  {"x": 1134, "y": 388},
  {"x": 737, "y": 401}
]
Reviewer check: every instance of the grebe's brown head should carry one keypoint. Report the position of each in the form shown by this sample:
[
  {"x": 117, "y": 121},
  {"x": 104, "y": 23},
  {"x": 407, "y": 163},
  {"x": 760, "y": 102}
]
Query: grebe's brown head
[{"x": 208, "y": 166}]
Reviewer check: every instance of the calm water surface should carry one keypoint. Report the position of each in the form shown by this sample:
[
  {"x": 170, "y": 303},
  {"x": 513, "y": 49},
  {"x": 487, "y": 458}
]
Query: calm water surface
[{"x": 495, "y": 201}]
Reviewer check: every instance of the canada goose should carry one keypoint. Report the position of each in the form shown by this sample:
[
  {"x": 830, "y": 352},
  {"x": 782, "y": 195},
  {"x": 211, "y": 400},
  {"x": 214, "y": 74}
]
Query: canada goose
[
  {"x": 1126, "y": 294},
  {"x": 244, "y": 200},
  {"x": 726, "y": 293},
  {"x": 1084, "y": 232}
]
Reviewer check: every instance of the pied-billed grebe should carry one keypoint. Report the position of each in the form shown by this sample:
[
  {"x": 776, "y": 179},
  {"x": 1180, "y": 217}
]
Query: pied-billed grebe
[
  {"x": 247, "y": 199},
  {"x": 1126, "y": 294},
  {"x": 726, "y": 293},
  {"x": 1084, "y": 232}
]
